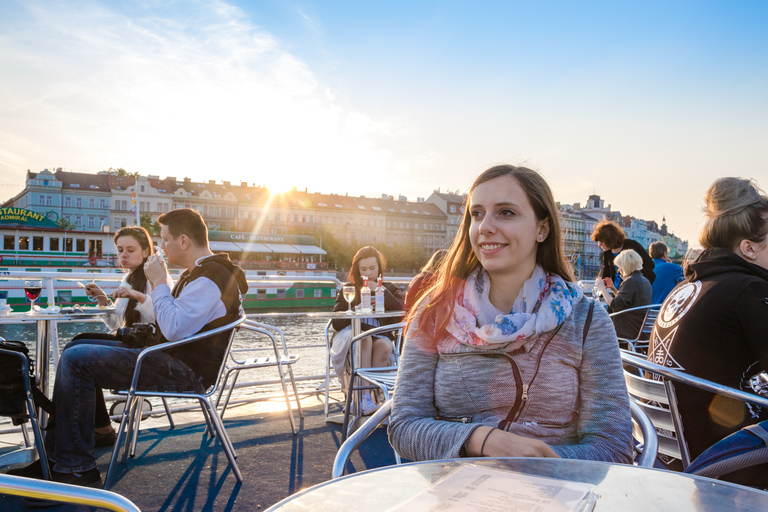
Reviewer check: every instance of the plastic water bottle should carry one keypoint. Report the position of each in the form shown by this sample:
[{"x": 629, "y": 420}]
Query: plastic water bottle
[
  {"x": 365, "y": 297},
  {"x": 379, "y": 293}
]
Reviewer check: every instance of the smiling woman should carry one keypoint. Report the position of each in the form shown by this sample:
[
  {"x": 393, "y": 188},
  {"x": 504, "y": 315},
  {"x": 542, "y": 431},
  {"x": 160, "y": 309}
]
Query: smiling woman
[{"x": 504, "y": 356}]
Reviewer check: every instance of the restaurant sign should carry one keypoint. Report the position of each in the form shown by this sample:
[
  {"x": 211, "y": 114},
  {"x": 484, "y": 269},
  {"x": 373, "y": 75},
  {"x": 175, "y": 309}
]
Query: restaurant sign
[{"x": 21, "y": 217}]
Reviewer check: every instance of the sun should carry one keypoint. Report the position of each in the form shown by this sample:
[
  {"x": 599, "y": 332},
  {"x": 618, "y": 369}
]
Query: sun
[{"x": 278, "y": 184}]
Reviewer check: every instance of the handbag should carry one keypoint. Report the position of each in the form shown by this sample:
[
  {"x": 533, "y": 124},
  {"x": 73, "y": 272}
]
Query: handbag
[{"x": 13, "y": 391}]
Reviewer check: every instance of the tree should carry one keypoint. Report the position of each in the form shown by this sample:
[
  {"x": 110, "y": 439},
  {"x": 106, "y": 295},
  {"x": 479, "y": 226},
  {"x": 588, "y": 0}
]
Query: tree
[
  {"x": 66, "y": 224},
  {"x": 122, "y": 172},
  {"x": 146, "y": 223}
]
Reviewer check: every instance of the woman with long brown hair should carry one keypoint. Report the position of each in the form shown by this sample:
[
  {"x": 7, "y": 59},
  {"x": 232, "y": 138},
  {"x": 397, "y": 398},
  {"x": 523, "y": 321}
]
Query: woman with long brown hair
[
  {"x": 504, "y": 356},
  {"x": 375, "y": 351},
  {"x": 133, "y": 304}
]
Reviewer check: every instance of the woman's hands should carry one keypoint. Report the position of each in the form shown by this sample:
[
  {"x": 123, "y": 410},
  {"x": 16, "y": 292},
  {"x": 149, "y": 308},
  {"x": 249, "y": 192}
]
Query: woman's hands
[
  {"x": 492, "y": 442},
  {"x": 93, "y": 290},
  {"x": 128, "y": 293}
]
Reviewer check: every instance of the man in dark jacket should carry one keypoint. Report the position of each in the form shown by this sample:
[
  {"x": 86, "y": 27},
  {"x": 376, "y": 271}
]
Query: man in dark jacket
[{"x": 207, "y": 295}]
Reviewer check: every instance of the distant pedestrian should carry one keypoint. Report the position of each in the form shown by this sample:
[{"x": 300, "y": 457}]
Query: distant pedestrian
[
  {"x": 668, "y": 274},
  {"x": 612, "y": 240}
]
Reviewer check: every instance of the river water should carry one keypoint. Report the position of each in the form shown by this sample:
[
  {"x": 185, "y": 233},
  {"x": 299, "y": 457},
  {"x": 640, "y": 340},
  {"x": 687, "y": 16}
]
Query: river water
[{"x": 298, "y": 331}]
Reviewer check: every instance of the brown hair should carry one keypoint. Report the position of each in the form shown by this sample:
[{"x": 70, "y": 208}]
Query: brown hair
[
  {"x": 735, "y": 210},
  {"x": 609, "y": 233},
  {"x": 137, "y": 279},
  {"x": 186, "y": 221},
  {"x": 657, "y": 250},
  {"x": 460, "y": 260},
  {"x": 366, "y": 252}
]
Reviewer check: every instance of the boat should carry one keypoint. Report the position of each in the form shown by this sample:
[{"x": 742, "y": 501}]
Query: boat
[{"x": 285, "y": 265}]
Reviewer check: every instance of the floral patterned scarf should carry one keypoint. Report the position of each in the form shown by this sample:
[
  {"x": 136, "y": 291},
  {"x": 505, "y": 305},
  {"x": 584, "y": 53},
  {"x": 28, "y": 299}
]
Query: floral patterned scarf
[{"x": 544, "y": 302}]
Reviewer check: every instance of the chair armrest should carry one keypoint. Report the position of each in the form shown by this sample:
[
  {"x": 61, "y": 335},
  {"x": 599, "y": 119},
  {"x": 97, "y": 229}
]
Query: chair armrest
[
  {"x": 650, "y": 438},
  {"x": 356, "y": 439},
  {"x": 697, "y": 382},
  {"x": 170, "y": 344},
  {"x": 373, "y": 332},
  {"x": 636, "y": 308}
]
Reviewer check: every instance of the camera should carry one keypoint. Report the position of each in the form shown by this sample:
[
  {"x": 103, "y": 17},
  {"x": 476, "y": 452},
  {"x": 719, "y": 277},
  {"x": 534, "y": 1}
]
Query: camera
[{"x": 136, "y": 335}]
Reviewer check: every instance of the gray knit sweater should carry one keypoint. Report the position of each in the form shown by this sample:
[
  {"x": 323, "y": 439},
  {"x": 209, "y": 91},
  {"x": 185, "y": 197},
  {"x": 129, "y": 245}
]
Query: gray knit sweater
[{"x": 577, "y": 402}]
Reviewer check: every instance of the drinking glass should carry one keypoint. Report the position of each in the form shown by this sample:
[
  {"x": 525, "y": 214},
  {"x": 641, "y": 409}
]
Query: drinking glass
[
  {"x": 349, "y": 296},
  {"x": 32, "y": 290}
]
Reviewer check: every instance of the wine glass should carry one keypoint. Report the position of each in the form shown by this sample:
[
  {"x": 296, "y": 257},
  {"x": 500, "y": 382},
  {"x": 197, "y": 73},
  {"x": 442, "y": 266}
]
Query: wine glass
[
  {"x": 349, "y": 296},
  {"x": 32, "y": 290}
]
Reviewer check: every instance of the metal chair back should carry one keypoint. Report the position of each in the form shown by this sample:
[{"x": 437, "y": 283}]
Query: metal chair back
[
  {"x": 31, "y": 412},
  {"x": 658, "y": 400},
  {"x": 356, "y": 439},
  {"x": 129, "y": 425},
  {"x": 382, "y": 378},
  {"x": 640, "y": 342}
]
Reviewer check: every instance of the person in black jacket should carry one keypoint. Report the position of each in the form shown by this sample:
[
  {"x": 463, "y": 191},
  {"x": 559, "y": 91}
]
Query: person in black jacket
[
  {"x": 374, "y": 351},
  {"x": 612, "y": 240},
  {"x": 714, "y": 324}
]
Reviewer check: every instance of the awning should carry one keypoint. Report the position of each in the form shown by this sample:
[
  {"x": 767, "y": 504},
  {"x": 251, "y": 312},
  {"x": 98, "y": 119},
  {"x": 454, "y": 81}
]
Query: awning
[
  {"x": 253, "y": 247},
  {"x": 283, "y": 248},
  {"x": 224, "y": 246},
  {"x": 310, "y": 249}
]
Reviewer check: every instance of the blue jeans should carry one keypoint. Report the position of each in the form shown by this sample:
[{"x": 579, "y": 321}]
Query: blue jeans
[{"x": 86, "y": 365}]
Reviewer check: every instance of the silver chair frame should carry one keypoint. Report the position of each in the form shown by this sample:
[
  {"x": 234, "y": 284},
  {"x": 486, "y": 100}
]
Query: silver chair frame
[
  {"x": 638, "y": 343},
  {"x": 649, "y": 447},
  {"x": 647, "y": 457},
  {"x": 382, "y": 378},
  {"x": 31, "y": 411},
  {"x": 653, "y": 396},
  {"x": 278, "y": 361},
  {"x": 54, "y": 491},
  {"x": 130, "y": 423}
]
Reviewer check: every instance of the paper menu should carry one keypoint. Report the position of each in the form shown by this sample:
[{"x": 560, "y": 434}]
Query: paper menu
[{"x": 475, "y": 488}]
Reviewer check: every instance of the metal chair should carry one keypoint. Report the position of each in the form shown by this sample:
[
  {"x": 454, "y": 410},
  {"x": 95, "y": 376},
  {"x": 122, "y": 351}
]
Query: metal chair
[
  {"x": 640, "y": 342},
  {"x": 658, "y": 400},
  {"x": 328, "y": 366},
  {"x": 31, "y": 413},
  {"x": 356, "y": 439},
  {"x": 129, "y": 425},
  {"x": 75, "y": 494},
  {"x": 647, "y": 434},
  {"x": 382, "y": 378},
  {"x": 278, "y": 361}
]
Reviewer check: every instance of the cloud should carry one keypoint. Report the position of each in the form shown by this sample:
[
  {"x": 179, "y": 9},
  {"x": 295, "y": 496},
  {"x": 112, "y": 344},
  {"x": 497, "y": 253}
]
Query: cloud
[{"x": 194, "y": 90}]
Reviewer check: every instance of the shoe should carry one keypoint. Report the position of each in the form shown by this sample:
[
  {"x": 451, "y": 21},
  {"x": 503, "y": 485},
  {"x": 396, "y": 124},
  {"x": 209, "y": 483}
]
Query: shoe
[
  {"x": 34, "y": 470},
  {"x": 367, "y": 406},
  {"x": 91, "y": 478},
  {"x": 105, "y": 439}
]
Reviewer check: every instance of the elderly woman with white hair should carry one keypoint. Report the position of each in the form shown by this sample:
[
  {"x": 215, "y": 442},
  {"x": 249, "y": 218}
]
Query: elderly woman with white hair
[{"x": 634, "y": 291}]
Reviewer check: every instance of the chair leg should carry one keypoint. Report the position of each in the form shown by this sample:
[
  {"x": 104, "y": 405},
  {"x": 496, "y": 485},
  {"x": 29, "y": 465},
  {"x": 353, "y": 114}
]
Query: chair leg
[
  {"x": 347, "y": 409},
  {"x": 295, "y": 391},
  {"x": 229, "y": 392},
  {"x": 38, "y": 436},
  {"x": 209, "y": 430},
  {"x": 226, "y": 443},
  {"x": 168, "y": 413},
  {"x": 137, "y": 424},
  {"x": 287, "y": 399},
  {"x": 121, "y": 437}
]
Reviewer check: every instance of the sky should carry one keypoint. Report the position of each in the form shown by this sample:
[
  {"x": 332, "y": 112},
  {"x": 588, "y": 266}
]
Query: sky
[{"x": 644, "y": 103}]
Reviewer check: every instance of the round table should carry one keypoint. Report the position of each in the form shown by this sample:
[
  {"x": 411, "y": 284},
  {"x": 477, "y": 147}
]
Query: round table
[{"x": 619, "y": 487}]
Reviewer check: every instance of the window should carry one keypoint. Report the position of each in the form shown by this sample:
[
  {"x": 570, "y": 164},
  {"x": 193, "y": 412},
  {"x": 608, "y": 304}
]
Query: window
[
  {"x": 300, "y": 293},
  {"x": 116, "y": 224},
  {"x": 91, "y": 222},
  {"x": 261, "y": 294},
  {"x": 142, "y": 188},
  {"x": 23, "y": 243},
  {"x": 53, "y": 244},
  {"x": 80, "y": 245},
  {"x": 333, "y": 292},
  {"x": 68, "y": 201},
  {"x": 318, "y": 293},
  {"x": 102, "y": 203},
  {"x": 68, "y": 245},
  {"x": 78, "y": 202},
  {"x": 91, "y": 203},
  {"x": 37, "y": 243},
  {"x": 281, "y": 293},
  {"x": 9, "y": 243},
  {"x": 63, "y": 296},
  {"x": 78, "y": 221}
]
